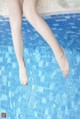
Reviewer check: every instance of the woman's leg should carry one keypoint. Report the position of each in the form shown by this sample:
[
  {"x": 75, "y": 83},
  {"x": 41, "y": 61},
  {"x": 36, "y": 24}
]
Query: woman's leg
[
  {"x": 15, "y": 11},
  {"x": 30, "y": 12}
]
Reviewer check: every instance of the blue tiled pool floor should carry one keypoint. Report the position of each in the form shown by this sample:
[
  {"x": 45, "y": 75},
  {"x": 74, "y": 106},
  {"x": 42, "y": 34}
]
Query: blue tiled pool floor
[{"x": 48, "y": 95}]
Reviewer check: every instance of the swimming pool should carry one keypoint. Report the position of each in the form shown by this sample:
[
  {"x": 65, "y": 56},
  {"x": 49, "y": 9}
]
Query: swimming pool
[{"x": 48, "y": 95}]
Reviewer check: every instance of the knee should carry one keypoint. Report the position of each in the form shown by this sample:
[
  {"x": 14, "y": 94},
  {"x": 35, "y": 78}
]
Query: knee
[
  {"x": 15, "y": 23},
  {"x": 29, "y": 12},
  {"x": 31, "y": 15}
]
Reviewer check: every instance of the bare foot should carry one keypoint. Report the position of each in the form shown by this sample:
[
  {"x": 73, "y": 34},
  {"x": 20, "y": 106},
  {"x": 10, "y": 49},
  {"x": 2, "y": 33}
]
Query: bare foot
[
  {"x": 63, "y": 63},
  {"x": 23, "y": 74}
]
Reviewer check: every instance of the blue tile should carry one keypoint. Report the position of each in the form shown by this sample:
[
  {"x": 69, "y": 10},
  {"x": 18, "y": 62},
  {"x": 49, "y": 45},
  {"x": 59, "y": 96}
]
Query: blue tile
[{"x": 48, "y": 95}]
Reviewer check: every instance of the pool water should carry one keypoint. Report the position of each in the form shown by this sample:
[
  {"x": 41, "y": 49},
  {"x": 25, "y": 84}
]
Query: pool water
[{"x": 48, "y": 95}]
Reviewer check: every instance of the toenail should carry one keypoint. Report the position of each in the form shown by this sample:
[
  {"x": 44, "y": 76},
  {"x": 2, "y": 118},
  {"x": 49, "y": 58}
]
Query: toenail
[{"x": 26, "y": 83}]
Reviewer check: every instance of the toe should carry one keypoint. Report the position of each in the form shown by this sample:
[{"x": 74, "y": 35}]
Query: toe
[
  {"x": 26, "y": 83},
  {"x": 65, "y": 73}
]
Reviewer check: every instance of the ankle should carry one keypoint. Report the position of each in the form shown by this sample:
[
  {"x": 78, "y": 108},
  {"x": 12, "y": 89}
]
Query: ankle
[{"x": 21, "y": 63}]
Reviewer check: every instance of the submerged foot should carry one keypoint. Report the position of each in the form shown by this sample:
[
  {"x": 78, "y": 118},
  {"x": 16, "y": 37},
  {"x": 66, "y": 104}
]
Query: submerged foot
[
  {"x": 63, "y": 63},
  {"x": 23, "y": 74}
]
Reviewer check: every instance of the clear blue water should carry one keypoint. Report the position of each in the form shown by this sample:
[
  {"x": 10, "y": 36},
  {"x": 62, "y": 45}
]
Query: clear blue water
[{"x": 48, "y": 95}]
